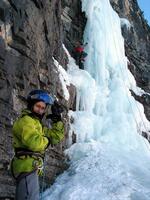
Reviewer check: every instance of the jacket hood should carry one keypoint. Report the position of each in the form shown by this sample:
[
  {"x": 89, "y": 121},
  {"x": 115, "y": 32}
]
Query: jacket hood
[{"x": 26, "y": 112}]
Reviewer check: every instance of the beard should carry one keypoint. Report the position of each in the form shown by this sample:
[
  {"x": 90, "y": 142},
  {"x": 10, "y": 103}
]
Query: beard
[{"x": 37, "y": 115}]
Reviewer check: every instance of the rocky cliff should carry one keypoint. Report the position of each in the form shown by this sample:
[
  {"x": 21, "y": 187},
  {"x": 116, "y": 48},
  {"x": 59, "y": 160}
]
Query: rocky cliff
[{"x": 31, "y": 35}]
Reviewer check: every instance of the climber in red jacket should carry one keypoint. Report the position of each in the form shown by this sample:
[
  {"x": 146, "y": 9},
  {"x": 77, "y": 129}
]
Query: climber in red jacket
[{"x": 79, "y": 55}]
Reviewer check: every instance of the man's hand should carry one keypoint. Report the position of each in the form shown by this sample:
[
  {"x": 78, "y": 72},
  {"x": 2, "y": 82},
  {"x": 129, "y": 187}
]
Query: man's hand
[{"x": 56, "y": 109}]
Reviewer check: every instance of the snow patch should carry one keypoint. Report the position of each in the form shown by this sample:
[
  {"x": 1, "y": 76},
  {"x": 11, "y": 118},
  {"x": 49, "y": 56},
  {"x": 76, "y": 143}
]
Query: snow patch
[
  {"x": 63, "y": 76},
  {"x": 125, "y": 22}
]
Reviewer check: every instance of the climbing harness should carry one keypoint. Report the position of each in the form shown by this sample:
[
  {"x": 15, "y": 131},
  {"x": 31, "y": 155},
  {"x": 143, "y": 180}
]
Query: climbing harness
[{"x": 37, "y": 162}]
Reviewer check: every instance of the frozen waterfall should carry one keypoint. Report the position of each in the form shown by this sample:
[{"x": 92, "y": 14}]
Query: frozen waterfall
[{"x": 110, "y": 160}]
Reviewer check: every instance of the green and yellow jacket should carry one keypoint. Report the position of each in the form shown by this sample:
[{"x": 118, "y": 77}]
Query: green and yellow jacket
[{"x": 31, "y": 136}]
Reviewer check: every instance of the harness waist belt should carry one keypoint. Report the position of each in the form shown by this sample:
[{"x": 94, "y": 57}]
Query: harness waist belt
[{"x": 25, "y": 152}]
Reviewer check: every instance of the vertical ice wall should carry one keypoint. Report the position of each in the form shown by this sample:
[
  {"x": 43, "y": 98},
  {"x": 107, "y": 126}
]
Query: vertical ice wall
[{"x": 111, "y": 160}]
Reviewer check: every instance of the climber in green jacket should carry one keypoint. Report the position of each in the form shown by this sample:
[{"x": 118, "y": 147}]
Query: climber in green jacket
[{"x": 30, "y": 140}]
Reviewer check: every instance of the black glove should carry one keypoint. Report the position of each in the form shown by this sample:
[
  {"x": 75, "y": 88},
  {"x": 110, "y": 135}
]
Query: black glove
[
  {"x": 54, "y": 118},
  {"x": 56, "y": 109}
]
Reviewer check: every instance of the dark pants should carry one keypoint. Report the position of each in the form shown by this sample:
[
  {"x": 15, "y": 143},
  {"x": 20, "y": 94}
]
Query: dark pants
[
  {"x": 28, "y": 187},
  {"x": 81, "y": 64}
]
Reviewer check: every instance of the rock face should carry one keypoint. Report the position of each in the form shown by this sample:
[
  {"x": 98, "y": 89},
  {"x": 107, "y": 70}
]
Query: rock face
[
  {"x": 73, "y": 23},
  {"x": 31, "y": 34}
]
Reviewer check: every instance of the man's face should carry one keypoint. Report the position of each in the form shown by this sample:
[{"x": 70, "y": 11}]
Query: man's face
[{"x": 39, "y": 107}]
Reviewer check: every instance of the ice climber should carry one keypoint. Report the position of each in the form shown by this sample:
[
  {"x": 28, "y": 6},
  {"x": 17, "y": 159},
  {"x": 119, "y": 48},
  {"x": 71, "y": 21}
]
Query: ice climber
[{"x": 30, "y": 140}]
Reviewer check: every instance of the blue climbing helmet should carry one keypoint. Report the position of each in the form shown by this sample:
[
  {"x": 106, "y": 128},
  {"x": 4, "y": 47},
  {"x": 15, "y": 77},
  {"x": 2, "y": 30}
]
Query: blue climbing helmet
[{"x": 40, "y": 95}]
